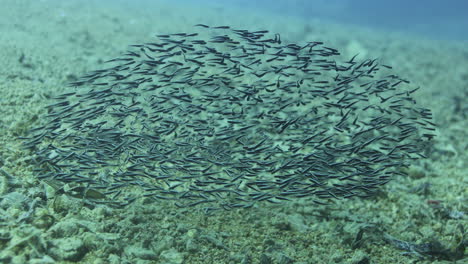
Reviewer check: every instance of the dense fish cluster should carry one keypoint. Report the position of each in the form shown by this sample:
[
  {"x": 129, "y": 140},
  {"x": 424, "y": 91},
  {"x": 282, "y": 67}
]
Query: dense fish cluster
[{"x": 227, "y": 118}]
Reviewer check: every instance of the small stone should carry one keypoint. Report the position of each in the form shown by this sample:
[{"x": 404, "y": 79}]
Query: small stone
[
  {"x": 296, "y": 222},
  {"x": 113, "y": 259},
  {"x": 192, "y": 233},
  {"x": 264, "y": 259},
  {"x": 65, "y": 229},
  {"x": 171, "y": 256},
  {"x": 191, "y": 246},
  {"x": 141, "y": 253},
  {"x": 283, "y": 259},
  {"x": 70, "y": 248},
  {"x": 44, "y": 260}
]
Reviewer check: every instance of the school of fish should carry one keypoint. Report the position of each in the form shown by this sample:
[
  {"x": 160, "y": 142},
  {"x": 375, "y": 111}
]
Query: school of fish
[{"x": 226, "y": 118}]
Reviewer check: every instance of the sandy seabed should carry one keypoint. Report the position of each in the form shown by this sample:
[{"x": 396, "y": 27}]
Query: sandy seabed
[{"x": 46, "y": 44}]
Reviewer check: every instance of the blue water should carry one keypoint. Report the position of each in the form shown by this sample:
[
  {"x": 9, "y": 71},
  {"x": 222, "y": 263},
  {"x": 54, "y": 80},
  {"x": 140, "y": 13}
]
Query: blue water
[{"x": 437, "y": 19}]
